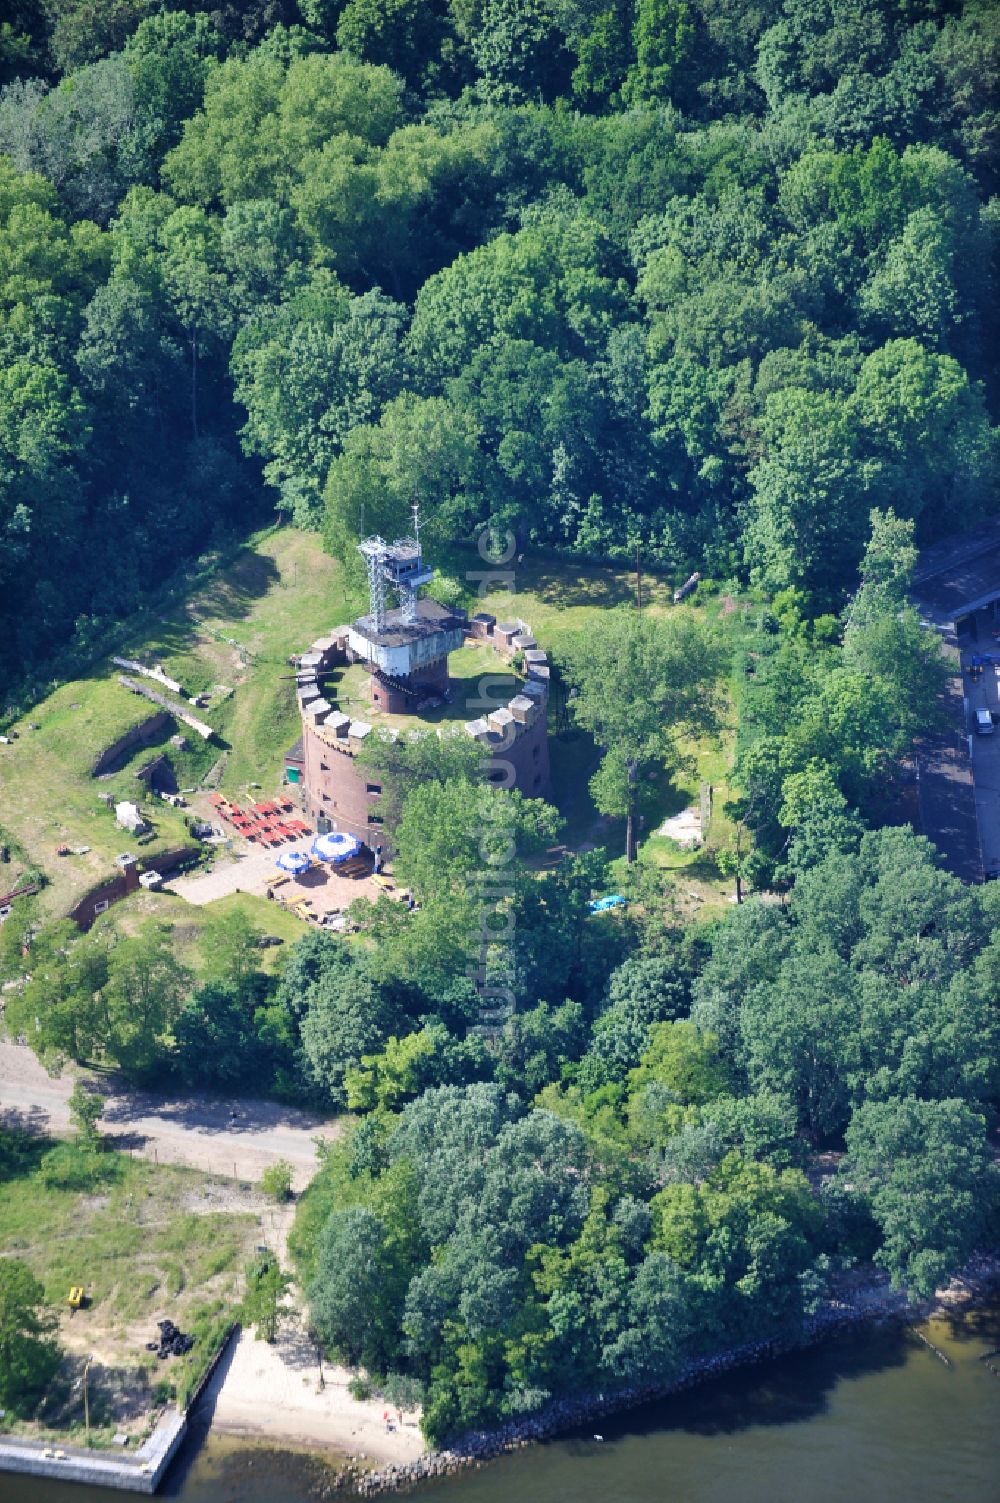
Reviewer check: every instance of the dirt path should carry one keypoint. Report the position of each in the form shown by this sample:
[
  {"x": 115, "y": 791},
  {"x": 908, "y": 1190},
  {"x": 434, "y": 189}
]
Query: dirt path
[{"x": 193, "y": 1130}]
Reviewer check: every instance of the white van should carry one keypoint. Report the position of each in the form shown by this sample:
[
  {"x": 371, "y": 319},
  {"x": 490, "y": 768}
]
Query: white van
[{"x": 984, "y": 723}]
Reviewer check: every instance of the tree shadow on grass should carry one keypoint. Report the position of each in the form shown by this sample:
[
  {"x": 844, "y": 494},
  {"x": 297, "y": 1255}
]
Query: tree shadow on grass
[
  {"x": 230, "y": 595},
  {"x": 564, "y": 590}
]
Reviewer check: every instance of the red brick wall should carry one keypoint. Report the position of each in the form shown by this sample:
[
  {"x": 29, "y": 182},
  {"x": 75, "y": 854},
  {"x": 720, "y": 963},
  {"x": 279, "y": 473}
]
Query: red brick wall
[
  {"x": 116, "y": 888},
  {"x": 529, "y": 757},
  {"x": 432, "y": 678},
  {"x": 335, "y": 788}
]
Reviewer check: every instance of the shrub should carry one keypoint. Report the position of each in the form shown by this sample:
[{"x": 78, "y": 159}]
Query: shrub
[{"x": 276, "y": 1181}]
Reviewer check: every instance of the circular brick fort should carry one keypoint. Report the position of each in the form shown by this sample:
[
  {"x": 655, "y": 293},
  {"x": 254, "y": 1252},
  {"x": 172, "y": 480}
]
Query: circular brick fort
[{"x": 397, "y": 663}]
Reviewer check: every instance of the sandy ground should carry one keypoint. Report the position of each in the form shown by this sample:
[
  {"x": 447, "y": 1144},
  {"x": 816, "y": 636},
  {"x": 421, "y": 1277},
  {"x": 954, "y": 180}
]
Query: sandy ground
[
  {"x": 274, "y": 1392},
  {"x": 684, "y": 827},
  {"x": 271, "y": 1391},
  {"x": 192, "y": 1130},
  {"x": 254, "y": 871}
]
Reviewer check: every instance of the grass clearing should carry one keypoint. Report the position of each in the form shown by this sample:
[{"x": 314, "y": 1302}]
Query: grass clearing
[
  {"x": 147, "y": 1242},
  {"x": 185, "y": 923},
  {"x": 231, "y": 639},
  {"x": 236, "y": 634},
  {"x": 49, "y": 797},
  {"x": 348, "y": 688},
  {"x": 559, "y": 598}
]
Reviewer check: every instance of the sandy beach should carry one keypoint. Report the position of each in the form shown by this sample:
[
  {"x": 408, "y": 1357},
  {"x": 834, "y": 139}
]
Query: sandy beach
[{"x": 274, "y": 1392}]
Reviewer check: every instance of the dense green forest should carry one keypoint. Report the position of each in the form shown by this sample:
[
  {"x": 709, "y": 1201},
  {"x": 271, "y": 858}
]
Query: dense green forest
[
  {"x": 699, "y": 275},
  {"x": 713, "y": 279},
  {"x": 679, "y": 1141}
]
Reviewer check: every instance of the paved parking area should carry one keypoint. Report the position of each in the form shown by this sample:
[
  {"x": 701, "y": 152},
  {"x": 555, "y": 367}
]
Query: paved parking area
[{"x": 948, "y": 814}]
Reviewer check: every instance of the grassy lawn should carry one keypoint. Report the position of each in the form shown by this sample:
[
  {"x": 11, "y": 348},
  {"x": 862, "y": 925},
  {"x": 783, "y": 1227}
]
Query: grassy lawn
[
  {"x": 50, "y": 799},
  {"x": 236, "y": 634},
  {"x": 184, "y": 923},
  {"x": 147, "y": 1242},
  {"x": 574, "y": 758},
  {"x": 348, "y": 687},
  {"x": 560, "y": 596},
  {"x": 696, "y": 872}
]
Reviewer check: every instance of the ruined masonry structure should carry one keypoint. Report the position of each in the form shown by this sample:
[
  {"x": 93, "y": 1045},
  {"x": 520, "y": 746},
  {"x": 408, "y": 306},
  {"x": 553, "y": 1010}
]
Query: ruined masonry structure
[{"x": 407, "y": 648}]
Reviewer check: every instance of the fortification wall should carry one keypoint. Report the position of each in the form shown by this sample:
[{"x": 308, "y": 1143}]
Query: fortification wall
[
  {"x": 513, "y": 735},
  {"x": 335, "y": 788},
  {"x": 143, "y": 734},
  {"x": 99, "y": 899}
]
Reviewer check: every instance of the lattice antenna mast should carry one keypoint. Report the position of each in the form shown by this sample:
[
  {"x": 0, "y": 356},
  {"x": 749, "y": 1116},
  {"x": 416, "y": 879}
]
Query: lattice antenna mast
[
  {"x": 410, "y": 573},
  {"x": 408, "y": 604},
  {"x": 375, "y": 551},
  {"x": 408, "y": 599},
  {"x": 407, "y": 591}
]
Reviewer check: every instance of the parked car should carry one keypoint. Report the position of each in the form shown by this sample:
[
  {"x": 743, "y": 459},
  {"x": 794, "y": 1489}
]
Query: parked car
[{"x": 984, "y": 723}]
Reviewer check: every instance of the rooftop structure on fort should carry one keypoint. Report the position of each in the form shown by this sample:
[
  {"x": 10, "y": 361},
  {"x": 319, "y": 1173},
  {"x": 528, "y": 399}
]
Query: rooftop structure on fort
[
  {"x": 406, "y": 647},
  {"x": 389, "y": 672}
]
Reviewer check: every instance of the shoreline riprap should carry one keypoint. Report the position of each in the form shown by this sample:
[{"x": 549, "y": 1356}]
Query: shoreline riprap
[{"x": 875, "y": 1306}]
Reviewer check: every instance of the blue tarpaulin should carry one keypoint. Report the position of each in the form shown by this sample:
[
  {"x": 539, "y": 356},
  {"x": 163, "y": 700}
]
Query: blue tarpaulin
[{"x": 600, "y": 905}]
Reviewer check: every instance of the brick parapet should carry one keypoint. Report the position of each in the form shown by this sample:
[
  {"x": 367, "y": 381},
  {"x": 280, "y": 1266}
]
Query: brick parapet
[{"x": 514, "y": 734}]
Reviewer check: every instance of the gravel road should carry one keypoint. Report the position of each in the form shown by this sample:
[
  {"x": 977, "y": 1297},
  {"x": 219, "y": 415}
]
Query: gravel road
[{"x": 195, "y": 1130}]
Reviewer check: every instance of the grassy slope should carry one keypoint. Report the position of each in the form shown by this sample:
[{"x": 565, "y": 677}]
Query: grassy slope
[
  {"x": 49, "y": 797},
  {"x": 184, "y": 923},
  {"x": 272, "y": 599}
]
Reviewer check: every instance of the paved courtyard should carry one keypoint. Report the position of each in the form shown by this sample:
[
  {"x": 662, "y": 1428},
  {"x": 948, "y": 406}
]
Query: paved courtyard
[
  {"x": 322, "y": 888},
  {"x": 248, "y": 870}
]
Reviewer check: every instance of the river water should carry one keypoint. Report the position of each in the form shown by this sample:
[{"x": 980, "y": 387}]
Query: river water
[{"x": 876, "y": 1417}]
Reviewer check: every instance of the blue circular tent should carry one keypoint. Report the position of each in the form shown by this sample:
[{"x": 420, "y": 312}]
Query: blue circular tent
[
  {"x": 335, "y": 846},
  {"x": 294, "y": 861}
]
